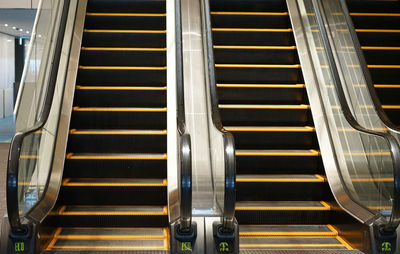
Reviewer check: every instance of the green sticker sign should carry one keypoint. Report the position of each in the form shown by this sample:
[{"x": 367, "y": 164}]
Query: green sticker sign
[
  {"x": 19, "y": 247},
  {"x": 223, "y": 247},
  {"x": 186, "y": 246},
  {"x": 386, "y": 246}
]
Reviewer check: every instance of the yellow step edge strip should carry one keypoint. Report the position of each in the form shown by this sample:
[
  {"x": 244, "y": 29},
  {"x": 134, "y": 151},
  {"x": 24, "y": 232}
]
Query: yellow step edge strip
[
  {"x": 253, "y": 153},
  {"x": 228, "y": 106},
  {"x": 318, "y": 179},
  {"x": 145, "y": 68},
  {"x": 384, "y": 66},
  {"x": 166, "y": 239},
  {"x": 256, "y": 47},
  {"x": 108, "y": 247},
  {"x": 29, "y": 157},
  {"x": 261, "y": 86},
  {"x": 375, "y": 14},
  {"x": 125, "y": 31},
  {"x": 109, "y": 237},
  {"x": 388, "y": 179},
  {"x": 288, "y": 245},
  {"x": 122, "y": 49},
  {"x": 139, "y": 88},
  {"x": 379, "y": 48},
  {"x": 164, "y": 183},
  {"x": 324, "y": 207},
  {"x": 123, "y": 132},
  {"x": 378, "y": 30},
  {"x": 300, "y": 129},
  {"x": 76, "y": 108},
  {"x": 344, "y": 242},
  {"x": 249, "y": 13},
  {"x": 127, "y": 14},
  {"x": 391, "y": 106},
  {"x": 333, "y": 232},
  {"x": 286, "y": 30},
  {"x": 54, "y": 240},
  {"x": 281, "y": 66},
  {"x": 386, "y": 86},
  {"x": 71, "y": 156}
]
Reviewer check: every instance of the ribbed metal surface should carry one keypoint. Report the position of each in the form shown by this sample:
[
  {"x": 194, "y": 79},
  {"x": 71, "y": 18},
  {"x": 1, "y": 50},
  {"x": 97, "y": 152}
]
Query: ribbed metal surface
[{"x": 300, "y": 251}]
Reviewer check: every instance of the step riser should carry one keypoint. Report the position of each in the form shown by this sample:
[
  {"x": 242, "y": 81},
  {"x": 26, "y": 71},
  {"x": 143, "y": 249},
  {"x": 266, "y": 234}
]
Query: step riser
[
  {"x": 265, "y": 117},
  {"x": 281, "y": 164},
  {"x": 273, "y": 96},
  {"x": 107, "y": 77},
  {"x": 385, "y": 76},
  {"x": 382, "y": 56},
  {"x": 117, "y": 143},
  {"x": 389, "y": 96},
  {"x": 125, "y": 22},
  {"x": 259, "y": 75},
  {"x": 122, "y": 58},
  {"x": 120, "y": 98},
  {"x": 394, "y": 115},
  {"x": 373, "y": 6},
  {"x": 118, "y": 120},
  {"x": 123, "y": 6},
  {"x": 120, "y": 168},
  {"x": 249, "y": 5},
  {"x": 113, "y": 195},
  {"x": 253, "y": 38},
  {"x": 255, "y": 56},
  {"x": 127, "y": 40},
  {"x": 280, "y": 191},
  {"x": 250, "y": 21},
  {"x": 275, "y": 140},
  {"x": 282, "y": 217},
  {"x": 379, "y": 39},
  {"x": 376, "y": 22}
]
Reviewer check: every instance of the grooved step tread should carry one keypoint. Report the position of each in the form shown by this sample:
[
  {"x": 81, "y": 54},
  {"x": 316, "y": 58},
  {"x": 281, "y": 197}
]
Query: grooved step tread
[
  {"x": 250, "y": 13},
  {"x": 310, "y": 152},
  {"x": 117, "y": 132},
  {"x": 139, "y": 88},
  {"x": 238, "y": 106},
  {"x": 287, "y": 230},
  {"x": 283, "y": 206},
  {"x": 127, "y": 14},
  {"x": 262, "y": 85},
  {"x": 112, "y": 210},
  {"x": 121, "y": 49},
  {"x": 270, "y": 129},
  {"x": 115, "y": 182},
  {"x": 113, "y": 109},
  {"x": 280, "y": 178},
  {"x": 125, "y": 31},
  {"x": 130, "y": 156}
]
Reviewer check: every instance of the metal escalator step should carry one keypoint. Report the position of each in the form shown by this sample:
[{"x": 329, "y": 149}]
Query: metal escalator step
[
  {"x": 376, "y": 20},
  {"x": 153, "y": 40},
  {"x": 250, "y": 19},
  {"x": 280, "y": 178},
  {"x": 382, "y": 55},
  {"x": 137, "y": 156},
  {"x": 288, "y": 153},
  {"x": 113, "y": 210},
  {"x": 283, "y": 206},
  {"x": 119, "y": 21},
  {"x": 287, "y": 230},
  {"x": 117, "y": 182},
  {"x": 319, "y": 251},
  {"x": 118, "y": 6},
  {"x": 249, "y": 5},
  {"x": 253, "y": 37}
]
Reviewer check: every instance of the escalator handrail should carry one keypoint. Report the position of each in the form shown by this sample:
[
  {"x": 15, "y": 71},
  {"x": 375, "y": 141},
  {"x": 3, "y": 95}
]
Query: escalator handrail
[
  {"x": 228, "y": 139},
  {"x": 391, "y": 141},
  {"x": 185, "y": 155},
  {"x": 367, "y": 75},
  {"x": 17, "y": 141}
]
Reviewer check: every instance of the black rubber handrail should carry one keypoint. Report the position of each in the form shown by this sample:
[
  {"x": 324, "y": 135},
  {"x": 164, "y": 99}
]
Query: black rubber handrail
[
  {"x": 185, "y": 155},
  {"x": 391, "y": 141},
  {"x": 17, "y": 141},
  {"x": 228, "y": 139}
]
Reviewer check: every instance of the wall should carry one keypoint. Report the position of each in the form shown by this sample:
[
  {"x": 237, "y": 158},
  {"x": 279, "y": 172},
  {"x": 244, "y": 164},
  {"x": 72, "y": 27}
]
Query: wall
[
  {"x": 7, "y": 74},
  {"x": 24, "y": 4}
]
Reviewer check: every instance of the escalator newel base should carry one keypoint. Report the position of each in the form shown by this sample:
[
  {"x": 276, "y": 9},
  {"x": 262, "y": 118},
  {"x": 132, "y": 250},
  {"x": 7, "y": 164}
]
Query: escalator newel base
[
  {"x": 226, "y": 242},
  {"x": 385, "y": 240},
  {"x": 23, "y": 243},
  {"x": 183, "y": 241}
]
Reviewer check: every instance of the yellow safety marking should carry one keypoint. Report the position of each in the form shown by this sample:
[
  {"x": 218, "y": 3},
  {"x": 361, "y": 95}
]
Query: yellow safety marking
[
  {"x": 250, "y": 13},
  {"x": 386, "y": 86},
  {"x": 118, "y": 184},
  {"x": 123, "y": 49},
  {"x": 325, "y": 207},
  {"x": 64, "y": 207},
  {"x": 388, "y": 179},
  {"x": 384, "y": 66},
  {"x": 108, "y": 247},
  {"x": 54, "y": 240},
  {"x": 113, "y": 213},
  {"x": 145, "y": 88},
  {"x": 282, "y": 66},
  {"x": 271, "y": 153},
  {"x": 108, "y": 237},
  {"x": 288, "y": 245},
  {"x": 378, "y": 30},
  {"x": 117, "y": 157},
  {"x": 261, "y": 86},
  {"x": 318, "y": 179},
  {"x": 255, "y": 47},
  {"x": 302, "y": 106},
  {"x": 127, "y": 14},
  {"x": 375, "y": 14},
  {"x": 326, "y": 204},
  {"x": 121, "y": 132},
  {"x": 333, "y": 229},
  {"x": 380, "y": 48},
  {"x": 283, "y": 233},
  {"x": 276, "y": 129},
  {"x": 251, "y": 30},
  {"x": 379, "y": 207},
  {"x": 76, "y": 108},
  {"x": 166, "y": 239},
  {"x": 125, "y": 31},
  {"x": 139, "y": 68},
  {"x": 29, "y": 157},
  {"x": 344, "y": 242},
  {"x": 391, "y": 106}
]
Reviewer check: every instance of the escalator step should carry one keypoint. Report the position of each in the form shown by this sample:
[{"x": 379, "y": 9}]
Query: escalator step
[
  {"x": 130, "y": 21},
  {"x": 288, "y": 230},
  {"x": 255, "y": 37},
  {"x": 278, "y": 161},
  {"x": 376, "y": 20},
  {"x": 382, "y": 55},
  {"x": 388, "y": 94},
  {"x": 149, "y": 39},
  {"x": 117, "y": 141},
  {"x": 370, "y": 37},
  {"x": 273, "y": 137},
  {"x": 118, "y": 118},
  {"x": 385, "y": 74},
  {"x": 250, "y": 19},
  {"x": 142, "y": 6},
  {"x": 249, "y": 5},
  {"x": 280, "y": 187},
  {"x": 113, "y": 191},
  {"x": 300, "y": 212},
  {"x": 120, "y": 96},
  {"x": 264, "y": 115},
  {"x": 373, "y": 6}
]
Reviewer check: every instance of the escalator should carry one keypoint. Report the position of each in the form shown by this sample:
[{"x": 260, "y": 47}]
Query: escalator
[
  {"x": 283, "y": 198},
  {"x": 114, "y": 189},
  {"x": 377, "y": 24}
]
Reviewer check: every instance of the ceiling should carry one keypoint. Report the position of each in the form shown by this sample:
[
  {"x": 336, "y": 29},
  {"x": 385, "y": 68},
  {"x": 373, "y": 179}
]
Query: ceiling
[{"x": 12, "y": 21}]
